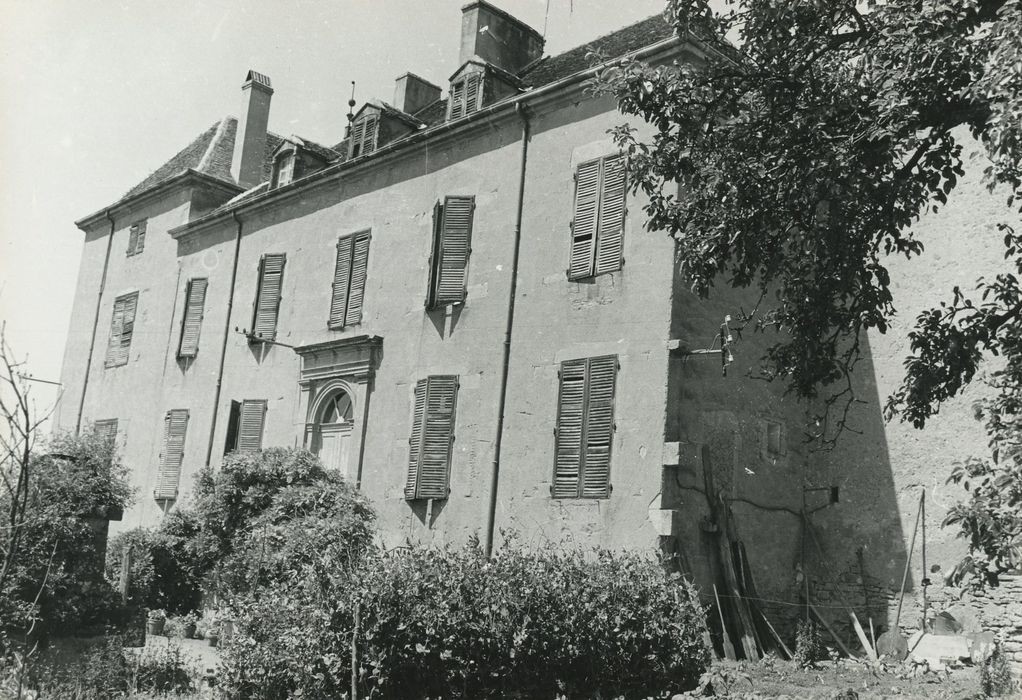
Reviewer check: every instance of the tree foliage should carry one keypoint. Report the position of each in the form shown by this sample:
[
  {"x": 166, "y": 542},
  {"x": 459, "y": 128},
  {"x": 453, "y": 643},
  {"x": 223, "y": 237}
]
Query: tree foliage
[{"x": 797, "y": 163}]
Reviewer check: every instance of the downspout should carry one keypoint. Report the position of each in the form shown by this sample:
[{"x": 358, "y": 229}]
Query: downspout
[
  {"x": 491, "y": 515},
  {"x": 227, "y": 333},
  {"x": 95, "y": 322}
]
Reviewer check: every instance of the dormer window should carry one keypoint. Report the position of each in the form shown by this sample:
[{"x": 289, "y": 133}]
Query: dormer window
[
  {"x": 284, "y": 168},
  {"x": 465, "y": 97},
  {"x": 364, "y": 131}
]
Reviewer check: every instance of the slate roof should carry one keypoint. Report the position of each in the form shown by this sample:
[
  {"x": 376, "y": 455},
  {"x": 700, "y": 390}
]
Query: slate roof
[{"x": 211, "y": 152}]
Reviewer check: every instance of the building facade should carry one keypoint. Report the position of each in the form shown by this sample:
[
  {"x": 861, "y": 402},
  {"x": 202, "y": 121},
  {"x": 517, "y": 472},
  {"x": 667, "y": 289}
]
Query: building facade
[{"x": 458, "y": 307}]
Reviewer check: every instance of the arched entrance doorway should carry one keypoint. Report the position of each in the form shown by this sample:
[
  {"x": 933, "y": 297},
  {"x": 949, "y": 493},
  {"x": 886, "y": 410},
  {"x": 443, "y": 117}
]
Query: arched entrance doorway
[{"x": 332, "y": 431}]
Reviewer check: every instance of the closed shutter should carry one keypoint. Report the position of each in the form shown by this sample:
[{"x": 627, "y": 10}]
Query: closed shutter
[
  {"x": 140, "y": 238},
  {"x": 359, "y": 269},
  {"x": 271, "y": 277},
  {"x": 250, "y": 430},
  {"x": 357, "y": 132},
  {"x": 106, "y": 429},
  {"x": 584, "y": 224},
  {"x": 132, "y": 238},
  {"x": 369, "y": 137},
  {"x": 472, "y": 85},
  {"x": 568, "y": 435},
  {"x": 122, "y": 328},
  {"x": 432, "y": 437},
  {"x": 174, "y": 429},
  {"x": 457, "y": 100},
  {"x": 455, "y": 247},
  {"x": 342, "y": 276},
  {"x": 195, "y": 300},
  {"x": 585, "y": 428},
  {"x": 610, "y": 237},
  {"x": 233, "y": 426}
]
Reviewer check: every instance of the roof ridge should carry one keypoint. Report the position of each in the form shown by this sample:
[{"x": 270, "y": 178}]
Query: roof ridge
[{"x": 213, "y": 143}]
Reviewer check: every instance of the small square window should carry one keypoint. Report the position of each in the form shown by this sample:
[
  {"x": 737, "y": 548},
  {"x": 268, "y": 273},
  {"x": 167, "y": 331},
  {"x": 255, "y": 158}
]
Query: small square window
[{"x": 773, "y": 439}]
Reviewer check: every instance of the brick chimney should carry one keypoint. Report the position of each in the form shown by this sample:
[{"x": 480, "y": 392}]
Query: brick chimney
[
  {"x": 412, "y": 93},
  {"x": 250, "y": 138},
  {"x": 489, "y": 33}
]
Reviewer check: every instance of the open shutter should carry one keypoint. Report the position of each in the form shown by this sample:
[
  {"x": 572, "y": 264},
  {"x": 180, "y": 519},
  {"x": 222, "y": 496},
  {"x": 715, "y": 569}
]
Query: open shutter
[
  {"x": 342, "y": 277},
  {"x": 355, "y": 139},
  {"x": 610, "y": 236},
  {"x": 106, "y": 429},
  {"x": 583, "y": 226},
  {"x": 438, "y": 437},
  {"x": 472, "y": 84},
  {"x": 140, "y": 237},
  {"x": 132, "y": 239},
  {"x": 271, "y": 275},
  {"x": 169, "y": 477},
  {"x": 568, "y": 435},
  {"x": 359, "y": 267},
  {"x": 250, "y": 433},
  {"x": 195, "y": 300},
  {"x": 233, "y": 421},
  {"x": 457, "y": 100},
  {"x": 415, "y": 440},
  {"x": 455, "y": 247},
  {"x": 369, "y": 137},
  {"x": 599, "y": 427},
  {"x": 128, "y": 326},
  {"x": 113, "y": 348}
]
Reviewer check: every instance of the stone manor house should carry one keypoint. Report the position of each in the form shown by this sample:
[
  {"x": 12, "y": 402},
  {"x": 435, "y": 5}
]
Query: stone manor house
[{"x": 458, "y": 306}]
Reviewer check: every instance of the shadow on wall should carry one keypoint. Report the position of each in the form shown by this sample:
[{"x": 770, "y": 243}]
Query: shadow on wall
[{"x": 776, "y": 486}]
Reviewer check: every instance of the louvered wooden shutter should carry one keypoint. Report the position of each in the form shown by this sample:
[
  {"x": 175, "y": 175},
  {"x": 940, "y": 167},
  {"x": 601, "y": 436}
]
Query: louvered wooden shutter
[
  {"x": 233, "y": 424},
  {"x": 271, "y": 277},
  {"x": 585, "y": 428},
  {"x": 584, "y": 224},
  {"x": 610, "y": 236},
  {"x": 432, "y": 437},
  {"x": 250, "y": 425},
  {"x": 568, "y": 435},
  {"x": 106, "y": 429},
  {"x": 342, "y": 277},
  {"x": 455, "y": 248},
  {"x": 599, "y": 427},
  {"x": 195, "y": 301},
  {"x": 122, "y": 328},
  {"x": 174, "y": 429},
  {"x": 369, "y": 137},
  {"x": 355, "y": 139},
  {"x": 140, "y": 239},
  {"x": 132, "y": 238},
  {"x": 473, "y": 83},
  {"x": 457, "y": 99},
  {"x": 359, "y": 269}
]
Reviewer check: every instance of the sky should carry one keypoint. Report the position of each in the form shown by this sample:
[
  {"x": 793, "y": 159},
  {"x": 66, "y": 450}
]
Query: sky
[{"x": 95, "y": 95}]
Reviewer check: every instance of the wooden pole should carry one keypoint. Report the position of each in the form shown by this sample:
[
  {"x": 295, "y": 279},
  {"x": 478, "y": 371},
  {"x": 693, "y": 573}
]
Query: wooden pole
[
  {"x": 729, "y": 648},
  {"x": 125, "y": 583},
  {"x": 925, "y": 581},
  {"x": 354, "y": 656},
  {"x": 908, "y": 563}
]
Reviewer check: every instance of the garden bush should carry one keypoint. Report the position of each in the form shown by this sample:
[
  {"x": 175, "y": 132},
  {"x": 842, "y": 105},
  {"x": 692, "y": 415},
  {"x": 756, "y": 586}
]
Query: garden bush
[{"x": 446, "y": 623}]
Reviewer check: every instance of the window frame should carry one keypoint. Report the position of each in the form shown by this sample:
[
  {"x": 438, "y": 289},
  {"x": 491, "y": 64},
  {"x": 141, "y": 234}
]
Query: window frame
[
  {"x": 592, "y": 268},
  {"x": 136, "y": 237},
  {"x": 260, "y": 284},
  {"x": 287, "y": 158},
  {"x": 361, "y": 136},
  {"x": 458, "y": 101},
  {"x": 422, "y": 422},
  {"x": 113, "y": 351},
  {"x": 345, "y": 316},
  {"x": 434, "y": 298},
  {"x": 236, "y": 425}
]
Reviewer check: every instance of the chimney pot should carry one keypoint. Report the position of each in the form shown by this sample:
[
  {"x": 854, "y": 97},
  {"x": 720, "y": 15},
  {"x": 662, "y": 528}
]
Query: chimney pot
[
  {"x": 412, "y": 93},
  {"x": 489, "y": 33}
]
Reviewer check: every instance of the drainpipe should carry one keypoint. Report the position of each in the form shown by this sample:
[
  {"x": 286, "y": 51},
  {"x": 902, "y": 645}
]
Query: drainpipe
[
  {"x": 491, "y": 515},
  {"x": 227, "y": 333},
  {"x": 95, "y": 322}
]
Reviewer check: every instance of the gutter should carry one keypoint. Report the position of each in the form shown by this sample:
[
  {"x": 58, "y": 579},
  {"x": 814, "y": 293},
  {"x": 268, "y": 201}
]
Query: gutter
[
  {"x": 227, "y": 334},
  {"x": 456, "y": 126},
  {"x": 95, "y": 322},
  {"x": 491, "y": 513}
]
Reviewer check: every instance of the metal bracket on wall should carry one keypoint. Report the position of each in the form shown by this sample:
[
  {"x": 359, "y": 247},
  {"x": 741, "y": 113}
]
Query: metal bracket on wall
[{"x": 254, "y": 337}]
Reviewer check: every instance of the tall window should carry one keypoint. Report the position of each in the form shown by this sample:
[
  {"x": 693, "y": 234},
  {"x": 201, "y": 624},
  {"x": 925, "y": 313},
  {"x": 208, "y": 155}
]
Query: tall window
[
  {"x": 452, "y": 245},
  {"x": 429, "y": 459},
  {"x": 284, "y": 169},
  {"x": 175, "y": 425},
  {"x": 136, "y": 237},
  {"x": 597, "y": 229},
  {"x": 349, "y": 280},
  {"x": 267, "y": 303},
  {"x": 465, "y": 96},
  {"x": 191, "y": 323},
  {"x": 245, "y": 426},
  {"x": 106, "y": 429},
  {"x": 364, "y": 133},
  {"x": 122, "y": 327},
  {"x": 585, "y": 428}
]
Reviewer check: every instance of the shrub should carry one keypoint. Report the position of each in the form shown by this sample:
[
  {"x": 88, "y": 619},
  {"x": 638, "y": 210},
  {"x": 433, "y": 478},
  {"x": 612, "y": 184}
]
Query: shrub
[
  {"x": 808, "y": 643},
  {"x": 456, "y": 624},
  {"x": 995, "y": 674}
]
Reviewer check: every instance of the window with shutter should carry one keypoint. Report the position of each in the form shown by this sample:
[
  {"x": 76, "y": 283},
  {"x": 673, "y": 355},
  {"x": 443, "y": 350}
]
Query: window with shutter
[
  {"x": 175, "y": 425},
  {"x": 267, "y": 305},
  {"x": 429, "y": 456},
  {"x": 284, "y": 169},
  {"x": 452, "y": 246},
  {"x": 585, "y": 428},
  {"x": 106, "y": 429},
  {"x": 456, "y": 99},
  {"x": 364, "y": 135},
  {"x": 465, "y": 96},
  {"x": 122, "y": 327},
  {"x": 349, "y": 280},
  {"x": 136, "y": 237},
  {"x": 251, "y": 417},
  {"x": 597, "y": 229},
  {"x": 191, "y": 323}
]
